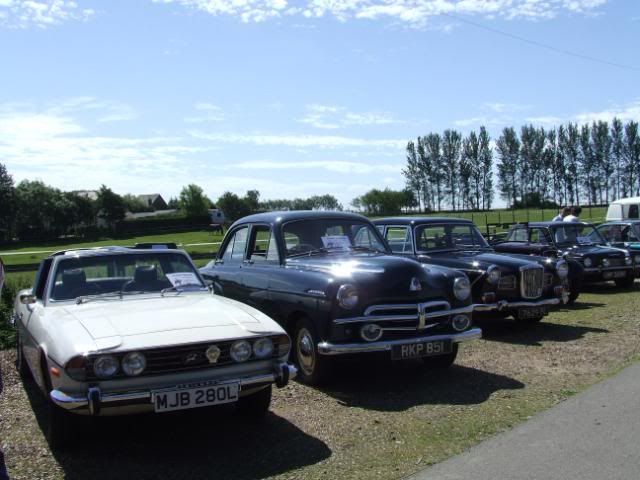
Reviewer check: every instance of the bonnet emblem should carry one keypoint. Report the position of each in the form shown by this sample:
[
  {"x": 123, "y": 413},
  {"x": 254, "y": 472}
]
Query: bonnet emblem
[{"x": 414, "y": 285}]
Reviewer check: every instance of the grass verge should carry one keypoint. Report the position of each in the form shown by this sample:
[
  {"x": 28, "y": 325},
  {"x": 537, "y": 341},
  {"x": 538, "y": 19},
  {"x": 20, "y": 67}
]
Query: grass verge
[{"x": 376, "y": 420}]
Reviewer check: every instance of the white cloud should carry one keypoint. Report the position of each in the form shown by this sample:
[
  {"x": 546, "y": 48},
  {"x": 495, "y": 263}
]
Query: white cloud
[
  {"x": 412, "y": 12},
  {"x": 548, "y": 120},
  {"x": 42, "y": 13},
  {"x": 631, "y": 111},
  {"x": 330, "y": 165},
  {"x": 207, "y": 112},
  {"x": 300, "y": 141},
  {"x": 331, "y": 117}
]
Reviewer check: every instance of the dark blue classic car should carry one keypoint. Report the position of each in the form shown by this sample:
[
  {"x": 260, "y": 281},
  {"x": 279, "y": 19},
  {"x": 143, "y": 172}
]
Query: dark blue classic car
[
  {"x": 623, "y": 234},
  {"x": 574, "y": 241},
  {"x": 330, "y": 280},
  {"x": 503, "y": 285}
]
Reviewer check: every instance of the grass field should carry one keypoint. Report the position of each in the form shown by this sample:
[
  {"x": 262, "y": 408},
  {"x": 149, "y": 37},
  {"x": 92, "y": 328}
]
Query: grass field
[
  {"x": 376, "y": 420},
  {"x": 35, "y": 252}
]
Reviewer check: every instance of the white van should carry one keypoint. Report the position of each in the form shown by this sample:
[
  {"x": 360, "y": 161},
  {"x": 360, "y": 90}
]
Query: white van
[{"x": 624, "y": 209}]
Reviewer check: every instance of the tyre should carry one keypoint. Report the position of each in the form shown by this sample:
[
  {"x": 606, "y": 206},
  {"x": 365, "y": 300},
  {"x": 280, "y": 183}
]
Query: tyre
[
  {"x": 625, "y": 282},
  {"x": 573, "y": 287},
  {"x": 441, "y": 361},
  {"x": 62, "y": 426},
  {"x": 255, "y": 405},
  {"x": 313, "y": 368}
]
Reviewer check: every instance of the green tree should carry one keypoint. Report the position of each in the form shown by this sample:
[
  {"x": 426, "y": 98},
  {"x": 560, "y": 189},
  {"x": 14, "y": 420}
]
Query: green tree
[
  {"x": 508, "y": 148},
  {"x": 451, "y": 147},
  {"x": 233, "y": 206},
  {"x": 135, "y": 204},
  {"x": 193, "y": 202},
  {"x": 470, "y": 171},
  {"x": 434, "y": 171},
  {"x": 109, "y": 206},
  {"x": 486, "y": 168},
  {"x": 632, "y": 158},
  {"x": 617, "y": 154},
  {"x": 7, "y": 202}
]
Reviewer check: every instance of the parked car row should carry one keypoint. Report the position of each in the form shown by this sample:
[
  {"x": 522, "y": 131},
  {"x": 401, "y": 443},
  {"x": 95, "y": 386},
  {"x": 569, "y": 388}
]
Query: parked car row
[{"x": 114, "y": 330}]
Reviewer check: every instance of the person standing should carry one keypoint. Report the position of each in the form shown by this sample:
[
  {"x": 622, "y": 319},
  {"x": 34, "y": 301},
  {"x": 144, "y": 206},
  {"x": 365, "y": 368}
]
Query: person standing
[
  {"x": 574, "y": 216},
  {"x": 563, "y": 213},
  {"x": 3, "y": 469}
]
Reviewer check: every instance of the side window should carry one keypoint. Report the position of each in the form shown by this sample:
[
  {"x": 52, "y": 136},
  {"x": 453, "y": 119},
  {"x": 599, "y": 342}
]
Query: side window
[
  {"x": 234, "y": 252},
  {"x": 629, "y": 235},
  {"x": 41, "y": 278},
  {"x": 432, "y": 238},
  {"x": 518, "y": 235},
  {"x": 633, "y": 211},
  {"x": 262, "y": 247},
  {"x": 610, "y": 233},
  {"x": 399, "y": 239},
  {"x": 538, "y": 236}
]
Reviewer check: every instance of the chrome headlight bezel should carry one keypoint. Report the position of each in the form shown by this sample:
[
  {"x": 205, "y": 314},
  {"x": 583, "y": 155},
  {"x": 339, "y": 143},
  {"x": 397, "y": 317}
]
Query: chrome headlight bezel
[
  {"x": 347, "y": 296},
  {"x": 628, "y": 260},
  {"x": 240, "y": 351},
  {"x": 133, "y": 364},
  {"x": 461, "y": 322},
  {"x": 493, "y": 274},
  {"x": 562, "y": 269},
  {"x": 106, "y": 366},
  {"x": 587, "y": 262},
  {"x": 605, "y": 262},
  {"x": 462, "y": 288}
]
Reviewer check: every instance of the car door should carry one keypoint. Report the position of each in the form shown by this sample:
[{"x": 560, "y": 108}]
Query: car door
[
  {"x": 399, "y": 239},
  {"x": 261, "y": 260},
  {"x": 226, "y": 272}
]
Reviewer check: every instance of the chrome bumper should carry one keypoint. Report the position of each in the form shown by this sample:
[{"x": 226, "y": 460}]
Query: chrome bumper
[
  {"x": 607, "y": 269},
  {"x": 505, "y": 305},
  {"x": 326, "y": 348},
  {"x": 94, "y": 401}
]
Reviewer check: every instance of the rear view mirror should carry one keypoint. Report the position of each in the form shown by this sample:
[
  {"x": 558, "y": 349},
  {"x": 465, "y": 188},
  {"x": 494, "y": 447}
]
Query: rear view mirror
[{"x": 27, "y": 299}]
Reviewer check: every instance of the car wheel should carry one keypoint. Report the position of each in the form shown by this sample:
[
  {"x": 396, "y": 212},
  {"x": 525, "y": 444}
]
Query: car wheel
[
  {"x": 573, "y": 286},
  {"x": 62, "y": 426},
  {"x": 21, "y": 363},
  {"x": 313, "y": 368},
  {"x": 626, "y": 282},
  {"x": 255, "y": 405},
  {"x": 441, "y": 361}
]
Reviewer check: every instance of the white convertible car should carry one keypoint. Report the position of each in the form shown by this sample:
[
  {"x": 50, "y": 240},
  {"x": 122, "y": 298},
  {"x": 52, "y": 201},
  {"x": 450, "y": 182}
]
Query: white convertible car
[{"x": 114, "y": 330}]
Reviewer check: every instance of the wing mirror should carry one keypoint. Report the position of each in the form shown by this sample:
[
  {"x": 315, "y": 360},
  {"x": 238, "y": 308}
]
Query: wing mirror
[{"x": 27, "y": 299}]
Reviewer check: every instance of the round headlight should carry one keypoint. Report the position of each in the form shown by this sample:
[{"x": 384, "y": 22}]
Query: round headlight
[
  {"x": 241, "y": 351},
  {"x": 134, "y": 364},
  {"x": 605, "y": 262},
  {"x": 587, "y": 262},
  {"x": 347, "y": 296},
  {"x": 628, "y": 261},
  {"x": 562, "y": 268},
  {"x": 493, "y": 275},
  {"x": 461, "y": 288},
  {"x": 263, "y": 348},
  {"x": 460, "y": 322},
  {"x": 371, "y": 332},
  {"x": 105, "y": 366},
  {"x": 637, "y": 258}
]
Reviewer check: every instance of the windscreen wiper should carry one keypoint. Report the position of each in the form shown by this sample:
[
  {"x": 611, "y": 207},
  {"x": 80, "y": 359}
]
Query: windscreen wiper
[{"x": 179, "y": 288}]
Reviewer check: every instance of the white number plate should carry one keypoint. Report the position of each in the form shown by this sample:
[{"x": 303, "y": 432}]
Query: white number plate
[{"x": 181, "y": 399}]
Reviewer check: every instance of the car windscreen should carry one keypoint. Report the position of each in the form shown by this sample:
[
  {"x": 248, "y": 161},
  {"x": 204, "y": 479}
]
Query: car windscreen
[
  {"x": 330, "y": 235},
  {"x": 448, "y": 236},
  {"x": 122, "y": 273},
  {"x": 576, "y": 234}
]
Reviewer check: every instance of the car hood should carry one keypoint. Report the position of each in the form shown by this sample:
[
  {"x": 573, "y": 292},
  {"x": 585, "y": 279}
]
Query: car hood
[
  {"x": 150, "y": 320},
  {"x": 473, "y": 261},
  {"x": 594, "y": 250},
  {"x": 383, "y": 278}
]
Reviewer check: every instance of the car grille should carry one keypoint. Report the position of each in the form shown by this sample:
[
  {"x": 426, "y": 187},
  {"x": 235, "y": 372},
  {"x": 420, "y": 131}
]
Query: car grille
[
  {"x": 548, "y": 279},
  {"x": 507, "y": 283},
  {"x": 531, "y": 282},
  {"x": 180, "y": 358},
  {"x": 616, "y": 262},
  {"x": 405, "y": 317}
]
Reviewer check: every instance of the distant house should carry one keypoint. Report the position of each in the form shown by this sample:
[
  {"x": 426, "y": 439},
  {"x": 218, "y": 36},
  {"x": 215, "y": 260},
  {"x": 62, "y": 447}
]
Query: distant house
[
  {"x": 90, "y": 194},
  {"x": 154, "y": 200}
]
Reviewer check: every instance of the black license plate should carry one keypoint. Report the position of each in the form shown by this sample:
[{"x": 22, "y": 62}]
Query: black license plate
[
  {"x": 421, "y": 349},
  {"x": 531, "y": 312}
]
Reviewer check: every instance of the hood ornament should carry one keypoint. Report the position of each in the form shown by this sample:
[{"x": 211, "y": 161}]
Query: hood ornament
[{"x": 414, "y": 285}]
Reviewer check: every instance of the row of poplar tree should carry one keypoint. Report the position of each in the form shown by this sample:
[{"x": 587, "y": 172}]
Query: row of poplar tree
[{"x": 572, "y": 164}]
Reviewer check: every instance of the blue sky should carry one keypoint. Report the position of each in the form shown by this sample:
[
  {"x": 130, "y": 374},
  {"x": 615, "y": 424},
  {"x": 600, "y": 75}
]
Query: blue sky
[{"x": 293, "y": 98}]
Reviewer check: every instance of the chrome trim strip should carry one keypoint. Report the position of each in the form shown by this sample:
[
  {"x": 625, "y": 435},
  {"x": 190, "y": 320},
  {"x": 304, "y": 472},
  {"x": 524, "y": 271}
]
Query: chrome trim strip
[
  {"x": 524, "y": 286},
  {"x": 106, "y": 400},
  {"x": 607, "y": 269},
  {"x": 400, "y": 318},
  {"x": 504, "y": 304},
  {"x": 326, "y": 348}
]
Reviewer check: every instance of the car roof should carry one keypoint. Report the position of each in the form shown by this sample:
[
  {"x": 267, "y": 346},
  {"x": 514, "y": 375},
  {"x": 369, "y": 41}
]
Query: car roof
[
  {"x": 633, "y": 221},
  {"x": 420, "y": 220},
  {"x": 113, "y": 250},
  {"x": 289, "y": 215},
  {"x": 550, "y": 224}
]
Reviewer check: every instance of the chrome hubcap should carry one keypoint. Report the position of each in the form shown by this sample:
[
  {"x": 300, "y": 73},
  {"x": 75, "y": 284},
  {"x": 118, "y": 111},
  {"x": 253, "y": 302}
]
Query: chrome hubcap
[{"x": 306, "y": 352}]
